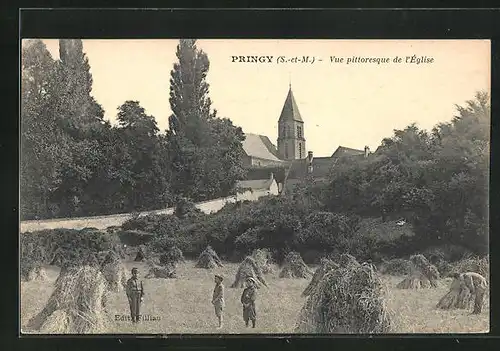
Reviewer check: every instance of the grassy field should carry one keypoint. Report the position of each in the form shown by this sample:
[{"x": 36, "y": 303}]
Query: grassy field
[{"x": 183, "y": 305}]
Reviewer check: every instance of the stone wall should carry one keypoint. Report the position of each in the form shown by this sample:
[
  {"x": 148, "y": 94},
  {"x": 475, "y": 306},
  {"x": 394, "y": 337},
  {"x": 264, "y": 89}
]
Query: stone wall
[{"x": 103, "y": 222}]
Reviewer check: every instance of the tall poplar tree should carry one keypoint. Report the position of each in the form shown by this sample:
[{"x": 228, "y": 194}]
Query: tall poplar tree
[
  {"x": 206, "y": 152},
  {"x": 43, "y": 144}
]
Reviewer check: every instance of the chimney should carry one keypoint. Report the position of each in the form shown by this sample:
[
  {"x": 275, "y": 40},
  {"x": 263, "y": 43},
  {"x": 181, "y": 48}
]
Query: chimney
[
  {"x": 309, "y": 162},
  {"x": 367, "y": 151},
  {"x": 309, "y": 156}
]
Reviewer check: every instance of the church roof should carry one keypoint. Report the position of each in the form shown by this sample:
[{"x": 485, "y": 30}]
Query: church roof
[
  {"x": 259, "y": 146},
  {"x": 290, "y": 111},
  {"x": 346, "y": 151}
]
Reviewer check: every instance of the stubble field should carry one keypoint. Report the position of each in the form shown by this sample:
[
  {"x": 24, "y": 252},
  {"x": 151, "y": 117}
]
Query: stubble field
[{"x": 182, "y": 305}]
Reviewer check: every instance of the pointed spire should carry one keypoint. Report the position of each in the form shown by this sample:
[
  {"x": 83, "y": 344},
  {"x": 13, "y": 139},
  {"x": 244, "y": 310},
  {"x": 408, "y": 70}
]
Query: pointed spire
[{"x": 290, "y": 110}]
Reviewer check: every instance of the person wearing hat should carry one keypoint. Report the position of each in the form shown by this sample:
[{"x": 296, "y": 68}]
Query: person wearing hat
[
  {"x": 218, "y": 298},
  {"x": 248, "y": 300},
  {"x": 135, "y": 293}
]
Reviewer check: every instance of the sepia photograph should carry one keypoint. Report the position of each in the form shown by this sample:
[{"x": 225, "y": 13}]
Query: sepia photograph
[{"x": 254, "y": 186}]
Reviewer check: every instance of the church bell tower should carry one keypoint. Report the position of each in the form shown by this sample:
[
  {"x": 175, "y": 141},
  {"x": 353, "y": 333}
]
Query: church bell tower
[{"x": 291, "y": 141}]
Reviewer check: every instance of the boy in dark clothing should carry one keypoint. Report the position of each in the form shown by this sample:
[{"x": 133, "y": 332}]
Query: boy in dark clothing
[
  {"x": 248, "y": 300},
  {"x": 218, "y": 298},
  {"x": 135, "y": 293}
]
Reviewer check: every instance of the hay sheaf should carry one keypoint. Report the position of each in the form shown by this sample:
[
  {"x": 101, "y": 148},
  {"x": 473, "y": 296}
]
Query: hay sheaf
[
  {"x": 348, "y": 300},
  {"x": 474, "y": 264},
  {"x": 249, "y": 268},
  {"x": 114, "y": 272},
  {"x": 294, "y": 267},
  {"x": 172, "y": 256},
  {"x": 348, "y": 260},
  {"x": 77, "y": 305},
  {"x": 141, "y": 254},
  {"x": 325, "y": 266},
  {"x": 264, "y": 259},
  {"x": 209, "y": 259},
  {"x": 422, "y": 274},
  {"x": 458, "y": 297}
]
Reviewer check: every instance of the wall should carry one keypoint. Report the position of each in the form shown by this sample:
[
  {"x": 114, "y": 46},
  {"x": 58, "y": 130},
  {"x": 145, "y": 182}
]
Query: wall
[{"x": 103, "y": 222}]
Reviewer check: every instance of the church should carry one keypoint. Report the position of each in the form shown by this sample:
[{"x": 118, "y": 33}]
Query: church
[{"x": 289, "y": 162}]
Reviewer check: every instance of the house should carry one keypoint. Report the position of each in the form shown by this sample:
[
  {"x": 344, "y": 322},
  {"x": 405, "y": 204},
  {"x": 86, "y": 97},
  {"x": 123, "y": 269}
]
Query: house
[
  {"x": 251, "y": 190},
  {"x": 288, "y": 163}
]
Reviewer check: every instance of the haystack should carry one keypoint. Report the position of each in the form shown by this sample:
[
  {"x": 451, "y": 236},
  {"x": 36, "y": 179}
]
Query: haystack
[
  {"x": 347, "y": 260},
  {"x": 164, "y": 272},
  {"x": 294, "y": 267},
  {"x": 264, "y": 259},
  {"x": 474, "y": 264},
  {"x": 172, "y": 256},
  {"x": 350, "y": 299},
  {"x": 209, "y": 259},
  {"x": 325, "y": 266},
  {"x": 458, "y": 297},
  {"x": 114, "y": 271},
  {"x": 77, "y": 305},
  {"x": 248, "y": 269},
  {"x": 422, "y": 274},
  {"x": 141, "y": 254}
]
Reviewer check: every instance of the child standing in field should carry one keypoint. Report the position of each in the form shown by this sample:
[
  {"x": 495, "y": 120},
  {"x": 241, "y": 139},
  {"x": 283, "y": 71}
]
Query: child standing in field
[
  {"x": 218, "y": 298},
  {"x": 248, "y": 300}
]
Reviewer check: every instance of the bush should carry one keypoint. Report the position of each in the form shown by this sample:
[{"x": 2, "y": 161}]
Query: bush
[
  {"x": 449, "y": 253},
  {"x": 135, "y": 237},
  {"x": 156, "y": 224},
  {"x": 326, "y": 231},
  {"x": 397, "y": 266},
  {"x": 67, "y": 247},
  {"x": 185, "y": 208}
]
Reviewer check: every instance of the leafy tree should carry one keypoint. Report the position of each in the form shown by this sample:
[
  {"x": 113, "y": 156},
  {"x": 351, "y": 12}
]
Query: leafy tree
[
  {"x": 205, "y": 151},
  {"x": 81, "y": 119},
  {"x": 142, "y": 169},
  {"x": 189, "y": 99},
  {"x": 43, "y": 145},
  {"x": 438, "y": 180},
  {"x": 79, "y": 113}
]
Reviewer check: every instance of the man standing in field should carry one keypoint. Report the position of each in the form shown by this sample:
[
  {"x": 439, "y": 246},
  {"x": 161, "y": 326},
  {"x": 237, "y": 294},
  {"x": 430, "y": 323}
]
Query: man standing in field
[
  {"x": 477, "y": 286},
  {"x": 218, "y": 298},
  {"x": 248, "y": 300},
  {"x": 135, "y": 293}
]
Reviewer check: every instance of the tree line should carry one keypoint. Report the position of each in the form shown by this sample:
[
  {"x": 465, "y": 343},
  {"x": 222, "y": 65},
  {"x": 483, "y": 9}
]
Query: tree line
[
  {"x": 76, "y": 163},
  {"x": 438, "y": 181}
]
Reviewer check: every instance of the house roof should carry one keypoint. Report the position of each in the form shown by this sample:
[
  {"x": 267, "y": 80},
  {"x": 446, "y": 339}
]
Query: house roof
[
  {"x": 258, "y": 184},
  {"x": 347, "y": 151},
  {"x": 259, "y": 146},
  {"x": 290, "y": 111}
]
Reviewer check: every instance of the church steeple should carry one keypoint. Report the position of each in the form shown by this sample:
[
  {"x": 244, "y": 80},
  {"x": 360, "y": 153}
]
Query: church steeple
[
  {"x": 290, "y": 111},
  {"x": 291, "y": 141}
]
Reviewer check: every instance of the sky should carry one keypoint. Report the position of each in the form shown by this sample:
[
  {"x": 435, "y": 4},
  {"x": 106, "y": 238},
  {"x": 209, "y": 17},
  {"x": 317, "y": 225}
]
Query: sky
[{"x": 351, "y": 105}]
